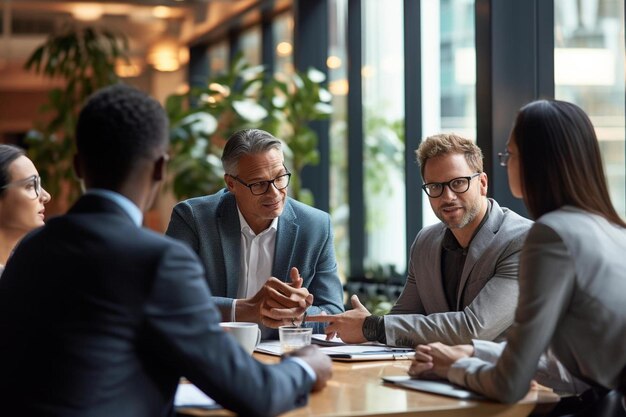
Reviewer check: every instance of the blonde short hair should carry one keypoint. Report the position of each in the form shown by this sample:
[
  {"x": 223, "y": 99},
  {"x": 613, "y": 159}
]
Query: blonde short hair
[{"x": 449, "y": 143}]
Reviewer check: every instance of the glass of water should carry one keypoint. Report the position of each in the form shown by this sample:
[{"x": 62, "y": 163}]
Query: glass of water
[{"x": 294, "y": 337}]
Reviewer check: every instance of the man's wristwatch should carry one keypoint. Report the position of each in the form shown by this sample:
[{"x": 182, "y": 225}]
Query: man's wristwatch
[{"x": 371, "y": 327}]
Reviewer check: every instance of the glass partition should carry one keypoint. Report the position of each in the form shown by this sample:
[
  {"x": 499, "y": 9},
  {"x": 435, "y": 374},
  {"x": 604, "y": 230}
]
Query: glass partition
[
  {"x": 337, "y": 64},
  {"x": 383, "y": 118}
]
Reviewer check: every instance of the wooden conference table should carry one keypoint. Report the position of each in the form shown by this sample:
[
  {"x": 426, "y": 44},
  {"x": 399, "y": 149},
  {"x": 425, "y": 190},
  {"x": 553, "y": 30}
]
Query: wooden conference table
[{"x": 356, "y": 390}]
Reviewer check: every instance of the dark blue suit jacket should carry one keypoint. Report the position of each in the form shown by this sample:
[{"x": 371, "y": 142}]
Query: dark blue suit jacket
[
  {"x": 99, "y": 317},
  {"x": 304, "y": 239}
]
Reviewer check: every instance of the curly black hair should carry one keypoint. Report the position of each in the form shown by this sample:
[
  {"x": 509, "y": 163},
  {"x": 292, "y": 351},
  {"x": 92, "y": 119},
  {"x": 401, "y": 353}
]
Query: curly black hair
[{"x": 118, "y": 126}]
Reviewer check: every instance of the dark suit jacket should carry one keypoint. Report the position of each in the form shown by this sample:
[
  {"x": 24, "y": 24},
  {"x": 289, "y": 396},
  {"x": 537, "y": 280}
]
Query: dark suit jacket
[
  {"x": 101, "y": 318},
  {"x": 304, "y": 239}
]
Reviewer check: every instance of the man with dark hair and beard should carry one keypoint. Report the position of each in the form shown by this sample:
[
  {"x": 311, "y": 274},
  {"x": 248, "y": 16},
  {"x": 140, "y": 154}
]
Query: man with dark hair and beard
[{"x": 462, "y": 275}]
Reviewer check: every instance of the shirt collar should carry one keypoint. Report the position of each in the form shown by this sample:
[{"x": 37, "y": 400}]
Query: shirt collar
[
  {"x": 245, "y": 226},
  {"x": 125, "y": 204}
]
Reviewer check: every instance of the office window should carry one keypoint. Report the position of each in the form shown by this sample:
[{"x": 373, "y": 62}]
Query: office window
[
  {"x": 383, "y": 118},
  {"x": 338, "y": 86},
  {"x": 218, "y": 58},
  {"x": 249, "y": 44},
  {"x": 449, "y": 73},
  {"x": 282, "y": 28},
  {"x": 589, "y": 71}
]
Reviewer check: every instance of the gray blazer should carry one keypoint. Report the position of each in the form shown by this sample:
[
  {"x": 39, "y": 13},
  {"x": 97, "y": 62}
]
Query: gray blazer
[
  {"x": 304, "y": 239},
  {"x": 572, "y": 299},
  {"x": 487, "y": 291}
]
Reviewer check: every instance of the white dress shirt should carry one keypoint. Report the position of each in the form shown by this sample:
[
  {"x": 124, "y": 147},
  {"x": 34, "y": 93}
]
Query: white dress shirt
[{"x": 257, "y": 259}]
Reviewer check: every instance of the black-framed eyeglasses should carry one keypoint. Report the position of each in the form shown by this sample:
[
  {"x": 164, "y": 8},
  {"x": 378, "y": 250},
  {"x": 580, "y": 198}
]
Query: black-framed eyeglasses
[
  {"x": 32, "y": 185},
  {"x": 504, "y": 157},
  {"x": 458, "y": 185},
  {"x": 258, "y": 188}
]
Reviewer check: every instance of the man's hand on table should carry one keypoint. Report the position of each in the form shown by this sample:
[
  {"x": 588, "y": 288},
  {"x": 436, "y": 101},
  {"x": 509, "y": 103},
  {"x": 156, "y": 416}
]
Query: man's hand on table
[
  {"x": 320, "y": 362},
  {"x": 434, "y": 359}
]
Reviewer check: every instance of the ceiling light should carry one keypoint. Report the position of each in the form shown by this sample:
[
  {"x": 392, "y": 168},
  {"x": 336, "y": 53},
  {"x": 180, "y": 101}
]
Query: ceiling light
[
  {"x": 333, "y": 62},
  {"x": 162, "y": 12},
  {"x": 164, "y": 55},
  {"x": 284, "y": 49},
  {"x": 88, "y": 12}
]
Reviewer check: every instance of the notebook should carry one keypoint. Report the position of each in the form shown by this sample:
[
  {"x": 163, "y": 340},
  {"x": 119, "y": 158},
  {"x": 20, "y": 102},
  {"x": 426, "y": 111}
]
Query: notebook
[{"x": 434, "y": 387}]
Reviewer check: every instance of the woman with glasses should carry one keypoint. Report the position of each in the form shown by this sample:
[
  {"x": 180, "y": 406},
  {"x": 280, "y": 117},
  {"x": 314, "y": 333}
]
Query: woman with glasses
[
  {"x": 572, "y": 267},
  {"x": 22, "y": 199}
]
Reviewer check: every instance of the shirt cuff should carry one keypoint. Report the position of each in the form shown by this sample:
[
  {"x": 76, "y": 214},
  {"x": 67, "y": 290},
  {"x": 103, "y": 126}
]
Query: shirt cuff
[
  {"x": 304, "y": 365},
  {"x": 459, "y": 370},
  {"x": 232, "y": 310},
  {"x": 487, "y": 351}
]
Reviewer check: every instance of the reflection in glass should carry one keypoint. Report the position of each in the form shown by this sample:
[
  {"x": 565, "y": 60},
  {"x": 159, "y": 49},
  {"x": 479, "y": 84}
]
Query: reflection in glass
[
  {"x": 449, "y": 78},
  {"x": 589, "y": 71},
  {"x": 383, "y": 110}
]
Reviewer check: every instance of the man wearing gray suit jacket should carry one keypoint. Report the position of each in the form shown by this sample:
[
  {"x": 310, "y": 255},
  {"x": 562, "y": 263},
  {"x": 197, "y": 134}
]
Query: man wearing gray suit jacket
[
  {"x": 269, "y": 259},
  {"x": 462, "y": 275}
]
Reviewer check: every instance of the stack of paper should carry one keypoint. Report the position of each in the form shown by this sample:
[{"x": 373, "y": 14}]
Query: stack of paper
[{"x": 340, "y": 351}]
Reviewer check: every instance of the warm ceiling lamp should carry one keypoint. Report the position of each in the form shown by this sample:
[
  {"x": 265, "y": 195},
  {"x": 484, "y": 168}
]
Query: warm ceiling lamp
[
  {"x": 127, "y": 68},
  {"x": 284, "y": 49},
  {"x": 333, "y": 62},
  {"x": 164, "y": 55},
  {"x": 87, "y": 12},
  {"x": 162, "y": 12}
]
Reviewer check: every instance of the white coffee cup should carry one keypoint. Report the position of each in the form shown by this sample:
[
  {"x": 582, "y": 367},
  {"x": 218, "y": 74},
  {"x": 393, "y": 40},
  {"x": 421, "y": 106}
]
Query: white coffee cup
[{"x": 247, "y": 334}]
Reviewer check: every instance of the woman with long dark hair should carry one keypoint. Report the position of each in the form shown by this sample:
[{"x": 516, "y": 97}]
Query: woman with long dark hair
[
  {"x": 572, "y": 267},
  {"x": 22, "y": 199}
]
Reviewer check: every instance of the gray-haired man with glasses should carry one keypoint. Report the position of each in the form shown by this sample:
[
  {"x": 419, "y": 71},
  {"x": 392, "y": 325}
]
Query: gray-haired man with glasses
[
  {"x": 462, "y": 275},
  {"x": 269, "y": 259}
]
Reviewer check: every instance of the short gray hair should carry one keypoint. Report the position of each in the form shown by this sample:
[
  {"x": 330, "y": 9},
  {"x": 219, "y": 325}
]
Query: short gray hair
[{"x": 246, "y": 142}]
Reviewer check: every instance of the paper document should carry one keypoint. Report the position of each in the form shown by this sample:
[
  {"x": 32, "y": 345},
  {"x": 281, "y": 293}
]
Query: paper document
[
  {"x": 434, "y": 387},
  {"x": 271, "y": 347},
  {"x": 367, "y": 352},
  {"x": 320, "y": 339},
  {"x": 188, "y": 395},
  {"x": 343, "y": 352}
]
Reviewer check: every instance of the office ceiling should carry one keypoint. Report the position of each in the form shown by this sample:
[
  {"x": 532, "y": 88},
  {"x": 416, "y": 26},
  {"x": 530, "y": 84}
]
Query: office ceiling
[{"x": 25, "y": 24}]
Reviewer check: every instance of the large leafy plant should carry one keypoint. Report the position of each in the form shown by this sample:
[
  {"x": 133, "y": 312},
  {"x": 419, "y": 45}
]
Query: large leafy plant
[
  {"x": 244, "y": 97},
  {"x": 85, "y": 59}
]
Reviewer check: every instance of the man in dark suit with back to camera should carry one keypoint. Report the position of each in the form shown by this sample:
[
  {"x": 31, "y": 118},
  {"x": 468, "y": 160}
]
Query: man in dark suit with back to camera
[{"x": 99, "y": 317}]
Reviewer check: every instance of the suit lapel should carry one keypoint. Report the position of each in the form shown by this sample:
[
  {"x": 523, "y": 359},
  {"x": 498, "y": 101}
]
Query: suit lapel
[
  {"x": 478, "y": 246},
  {"x": 286, "y": 241},
  {"x": 435, "y": 302},
  {"x": 230, "y": 238}
]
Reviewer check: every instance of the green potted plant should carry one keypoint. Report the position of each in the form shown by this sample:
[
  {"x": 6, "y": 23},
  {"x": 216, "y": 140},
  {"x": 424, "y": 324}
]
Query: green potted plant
[
  {"x": 85, "y": 59},
  {"x": 243, "y": 97}
]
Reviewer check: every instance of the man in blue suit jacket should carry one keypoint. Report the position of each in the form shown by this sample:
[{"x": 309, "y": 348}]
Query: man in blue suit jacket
[
  {"x": 252, "y": 231},
  {"x": 100, "y": 317}
]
